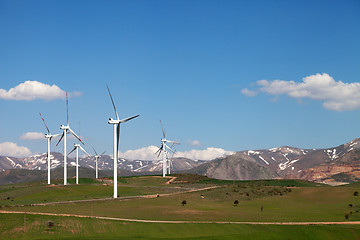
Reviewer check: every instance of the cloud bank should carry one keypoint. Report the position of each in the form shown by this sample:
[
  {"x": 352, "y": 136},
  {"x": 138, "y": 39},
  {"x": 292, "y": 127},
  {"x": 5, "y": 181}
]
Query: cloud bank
[
  {"x": 31, "y": 90},
  {"x": 148, "y": 153},
  {"x": 206, "y": 154},
  {"x": 335, "y": 95},
  {"x": 32, "y": 136},
  {"x": 13, "y": 150}
]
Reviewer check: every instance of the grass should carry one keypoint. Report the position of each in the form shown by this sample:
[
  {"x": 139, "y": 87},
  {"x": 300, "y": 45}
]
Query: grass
[
  {"x": 281, "y": 200},
  {"x": 301, "y": 204},
  {"x": 40, "y": 192},
  {"x": 25, "y": 226}
]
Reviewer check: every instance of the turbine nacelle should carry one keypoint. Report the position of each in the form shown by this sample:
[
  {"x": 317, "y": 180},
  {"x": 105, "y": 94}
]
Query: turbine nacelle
[
  {"x": 63, "y": 127},
  {"x": 113, "y": 121}
]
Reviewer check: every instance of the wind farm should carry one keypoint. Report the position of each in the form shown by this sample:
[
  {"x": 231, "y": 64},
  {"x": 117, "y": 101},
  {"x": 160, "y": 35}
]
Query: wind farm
[
  {"x": 178, "y": 199},
  {"x": 199, "y": 119}
]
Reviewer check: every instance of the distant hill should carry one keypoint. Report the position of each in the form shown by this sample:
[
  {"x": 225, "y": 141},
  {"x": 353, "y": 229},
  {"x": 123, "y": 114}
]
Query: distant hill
[
  {"x": 330, "y": 165},
  {"x": 288, "y": 162},
  {"x": 39, "y": 162},
  {"x": 234, "y": 167}
]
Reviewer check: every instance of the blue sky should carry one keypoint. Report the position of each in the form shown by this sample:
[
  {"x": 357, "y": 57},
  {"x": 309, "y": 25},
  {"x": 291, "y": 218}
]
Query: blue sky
[{"x": 217, "y": 73}]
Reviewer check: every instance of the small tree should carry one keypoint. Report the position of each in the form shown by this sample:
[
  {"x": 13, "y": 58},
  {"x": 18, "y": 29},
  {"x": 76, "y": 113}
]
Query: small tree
[
  {"x": 183, "y": 202},
  {"x": 50, "y": 224},
  {"x": 346, "y": 216},
  {"x": 356, "y": 193},
  {"x": 236, "y": 202}
]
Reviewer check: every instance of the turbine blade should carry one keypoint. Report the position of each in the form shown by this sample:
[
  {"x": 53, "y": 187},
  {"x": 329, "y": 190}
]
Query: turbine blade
[
  {"x": 62, "y": 135},
  {"x": 76, "y": 136},
  {"x": 127, "y": 119},
  {"x": 56, "y": 135},
  {"x": 45, "y": 123},
  {"x": 72, "y": 151},
  {"x": 94, "y": 151},
  {"x": 168, "y": 148},
  {"x": 102, "y": 153},
  {"x": 172, "y": 155},
  {"x": 67, "y": 109},
  {"x": 162, "y": 129},
  {"x": 159, "y": 151},
  {"x": 112, "y": 102},
  {"x": 84, "y": 151}
]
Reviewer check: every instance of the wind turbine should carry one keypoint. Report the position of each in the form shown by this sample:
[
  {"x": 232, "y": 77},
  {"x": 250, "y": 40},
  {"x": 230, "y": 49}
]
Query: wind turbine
[
  {"x": 116, "y": 122},
  {"x": 76, "y": 147},
  {"x": 97, "y": 156},
  {"x": 170, "y": 160},
  {"x": 164, "y": 150},
  {"x": 66, "y": 130},
  {"x": 49, "y": 136}
]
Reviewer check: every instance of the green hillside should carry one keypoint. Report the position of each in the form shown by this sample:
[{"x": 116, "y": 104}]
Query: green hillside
[{"x": 269, "y": 201}]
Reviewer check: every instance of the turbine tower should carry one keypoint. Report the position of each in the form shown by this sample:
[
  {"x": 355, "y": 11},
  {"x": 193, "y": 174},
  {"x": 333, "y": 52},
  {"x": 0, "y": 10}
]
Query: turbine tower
[
  {"x": 66, "y": 130},
  {"x": 97, "y": 156},
  {"x": 164, "y": 150},
  {"x": 170, "y": 160},
  {"x": 116, "y": 123},
  {"x": 49, "y": 136},
  {"x": 76, "y": 147}
]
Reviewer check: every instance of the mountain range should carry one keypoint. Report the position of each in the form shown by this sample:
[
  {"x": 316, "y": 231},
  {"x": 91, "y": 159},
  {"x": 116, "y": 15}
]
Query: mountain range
[{"x": 331, "y": 165}]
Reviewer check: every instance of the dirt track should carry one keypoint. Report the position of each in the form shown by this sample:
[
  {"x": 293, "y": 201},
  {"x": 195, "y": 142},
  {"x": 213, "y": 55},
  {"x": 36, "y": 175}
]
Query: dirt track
[
  {"x": 115, "y": 199},
  {"x": 182, "y": 222}
]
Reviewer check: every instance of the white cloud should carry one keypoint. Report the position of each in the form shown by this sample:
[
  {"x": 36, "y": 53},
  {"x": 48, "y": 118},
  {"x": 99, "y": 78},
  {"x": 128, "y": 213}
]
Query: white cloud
[
  {"x": 32, "y": 136},
  {"x": 30, "y": 90},
  {"x": 145, "y": 153},
  {"x": 12, "y": 150},
  {"x": 206, "y": 154},
  {"x": 194, "y": 143},
  {"x": 148, "y": 153},
  {"x": 249, "y": 93},
  {"x": 335, "y": 95}
]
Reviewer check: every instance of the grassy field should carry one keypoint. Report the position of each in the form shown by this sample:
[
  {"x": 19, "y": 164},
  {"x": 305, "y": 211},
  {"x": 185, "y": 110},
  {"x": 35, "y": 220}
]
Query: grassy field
[
  {"x": 258, "y": 201},
  {"x": 40, "y": 192},
  {"x": 25, "y": 226}
]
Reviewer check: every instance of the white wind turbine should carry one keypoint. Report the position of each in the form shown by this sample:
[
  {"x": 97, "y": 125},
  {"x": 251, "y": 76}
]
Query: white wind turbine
[
  {"x": 170, "y": 159},
  {"x": 97, "y": 156},
  {"x": 164, "y": 150},
  {"x": 76, "y": 147},
  {"x": 49, "y": 136},
  {"x": 116, "y": 122},
  {"x": 66, "y": 130}
]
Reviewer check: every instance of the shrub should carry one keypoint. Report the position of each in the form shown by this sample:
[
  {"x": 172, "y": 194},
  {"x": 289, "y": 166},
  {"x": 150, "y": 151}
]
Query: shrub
[
  {"x": 50, "y": 224},
  {"x": 183, "y": 202},
  {"x": 236, "y": 202},
  {"x": 356, "y": 193}
]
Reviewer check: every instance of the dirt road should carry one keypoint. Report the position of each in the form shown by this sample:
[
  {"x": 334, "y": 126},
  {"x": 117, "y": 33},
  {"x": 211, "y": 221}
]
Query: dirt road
[{"x": 181, "y": 222}]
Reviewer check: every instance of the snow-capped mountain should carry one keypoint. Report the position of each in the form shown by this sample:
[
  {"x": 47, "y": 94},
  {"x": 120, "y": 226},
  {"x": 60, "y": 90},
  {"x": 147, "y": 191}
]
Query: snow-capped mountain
[
  {"x": 285, "y": 162},
  {"x": 39, "y": 162},
  {"x": 320, "y": 165},
  {"x": 290, "y": 161}
]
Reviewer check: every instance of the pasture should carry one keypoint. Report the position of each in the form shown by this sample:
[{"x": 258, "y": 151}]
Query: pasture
[{"x": 271, "y": 201}]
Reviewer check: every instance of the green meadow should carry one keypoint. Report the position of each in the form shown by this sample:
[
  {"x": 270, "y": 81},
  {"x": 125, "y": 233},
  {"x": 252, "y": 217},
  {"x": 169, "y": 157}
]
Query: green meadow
[
  {"x": 25, "y": 226},
  {"x": 269, "y": 201}
]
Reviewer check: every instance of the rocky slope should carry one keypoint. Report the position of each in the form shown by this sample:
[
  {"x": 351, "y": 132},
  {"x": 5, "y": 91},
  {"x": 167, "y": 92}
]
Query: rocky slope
[{"x": 287, "y": 162}]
